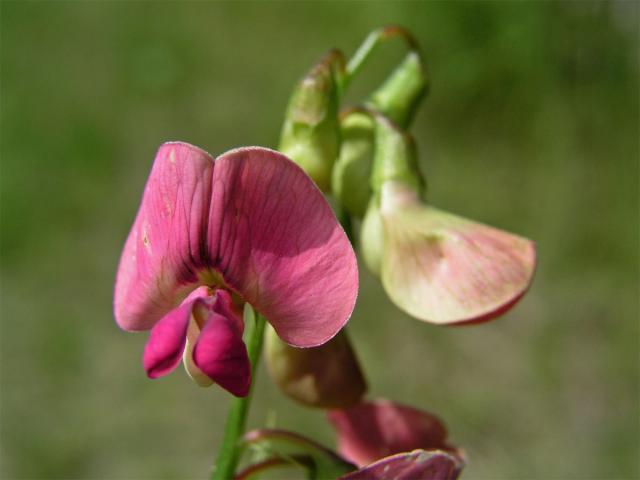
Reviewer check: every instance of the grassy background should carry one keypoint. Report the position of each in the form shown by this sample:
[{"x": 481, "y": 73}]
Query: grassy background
[{"x": 531, "y": 125}]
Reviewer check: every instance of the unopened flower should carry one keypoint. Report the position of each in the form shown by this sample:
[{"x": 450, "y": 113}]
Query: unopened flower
[
  {"x": 211, "y": 235},
  {"x": 328, "y": 376},
  {"x": 434, "y": 265},
  {"x": 310, "y": 133}
]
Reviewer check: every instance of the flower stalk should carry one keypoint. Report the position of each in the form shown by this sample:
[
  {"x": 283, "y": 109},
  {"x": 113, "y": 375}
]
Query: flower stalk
[{"x": 229, "y": 453}]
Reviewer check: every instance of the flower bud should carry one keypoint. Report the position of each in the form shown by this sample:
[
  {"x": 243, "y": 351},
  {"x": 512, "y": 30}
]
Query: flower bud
[
  {"x": 350, "y": 178},
  {"x": 310, "y": 133},
  {"x": 328, "y": 376},
  {"x": 399, "y": 96}
]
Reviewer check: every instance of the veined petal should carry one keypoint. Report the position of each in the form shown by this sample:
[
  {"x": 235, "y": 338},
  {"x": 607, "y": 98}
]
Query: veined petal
[
  {"x": 416, "y": 465},
  {"x": 254, "y": 223},
  {"x": 372, "y": 430},
  {"x": 219, "y": 351},
  {"x": 168, "y": 337},
  {"x": 275, "y": 240},
  {"x": 445, "y": 269},
  {"x": 166, "y": 247}
]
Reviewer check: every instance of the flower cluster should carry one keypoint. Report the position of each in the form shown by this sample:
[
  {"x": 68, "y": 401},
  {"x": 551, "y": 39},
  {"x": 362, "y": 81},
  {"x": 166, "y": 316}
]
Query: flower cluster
[{"x": 250, "y": 233}]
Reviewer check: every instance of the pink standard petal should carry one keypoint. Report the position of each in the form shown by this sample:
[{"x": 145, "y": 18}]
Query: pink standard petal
[
  {"x": 220, "y": 352},
  {"x": 166, "y": 248},
  {"x": 168, "y": 337},
  {"x": 256, "y": 224},
  {"x": 416, "y": 465},
  {"x": 373, "y": 430},
  {"x": 276, "y": 241}
]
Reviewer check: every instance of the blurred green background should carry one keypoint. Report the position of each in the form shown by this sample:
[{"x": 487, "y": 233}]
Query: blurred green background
[{"x": 531, "y": 125}]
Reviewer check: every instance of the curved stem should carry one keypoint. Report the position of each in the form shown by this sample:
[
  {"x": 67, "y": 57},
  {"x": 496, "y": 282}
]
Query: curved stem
[
  {"x": 229, "y": 453},
  {"x": 370, "y": 43}
]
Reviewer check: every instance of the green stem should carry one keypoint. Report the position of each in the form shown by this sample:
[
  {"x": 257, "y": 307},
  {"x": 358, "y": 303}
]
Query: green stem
[
  {"x": 229, "y": 453},
  {"x": 370, "y": 43}
]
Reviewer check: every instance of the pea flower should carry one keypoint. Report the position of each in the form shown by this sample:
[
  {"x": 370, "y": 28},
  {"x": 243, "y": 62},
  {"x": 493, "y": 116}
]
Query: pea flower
[
  {"x": 210, "y": 235},
  {"x": 436, "y": 266}
]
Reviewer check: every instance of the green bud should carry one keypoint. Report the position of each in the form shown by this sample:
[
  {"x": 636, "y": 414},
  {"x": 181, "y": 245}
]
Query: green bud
[
  {"x": 327, "y": 376},
  {"x": 395, "y": 157},
  {"x": 399, "y": 96},
  {"x": 310, "y": 134},
  {"x": 350, "y": 178}
]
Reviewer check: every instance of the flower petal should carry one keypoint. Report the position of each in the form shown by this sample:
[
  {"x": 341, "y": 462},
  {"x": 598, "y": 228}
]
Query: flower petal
[
  {"x": 219, "y": 351},
  {"x": 168, "y": 337},
  {"x": 222, "y": 302},
  {"x": 373, "y": 430},
  {"x": 275, "y": 240},
  {"x": 416, "y": 465},
  {"x": 166, "y": 247},
  {"x": 444, "y": 269},
  {"x": 257, "y": 224}
]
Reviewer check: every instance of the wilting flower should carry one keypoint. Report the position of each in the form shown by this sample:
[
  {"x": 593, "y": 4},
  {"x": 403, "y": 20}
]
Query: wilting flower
[
  {"x": 211, "y": 235},
  {"x": 377, "y": 440},
  {"x": 376, "y": 429},
  {"x": 436, "y": 266},
  {"x": 415, "y": 465}
]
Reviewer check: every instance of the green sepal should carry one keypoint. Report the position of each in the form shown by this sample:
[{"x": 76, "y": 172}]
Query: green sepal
[
  {"x": 399, "y": 96},
  {"x": 395, "y": 157},
  {"x": 280, "y": 448}
]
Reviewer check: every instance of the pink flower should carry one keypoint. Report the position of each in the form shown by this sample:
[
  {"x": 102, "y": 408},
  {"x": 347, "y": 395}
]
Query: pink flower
[{"x": 210, "y": 235}]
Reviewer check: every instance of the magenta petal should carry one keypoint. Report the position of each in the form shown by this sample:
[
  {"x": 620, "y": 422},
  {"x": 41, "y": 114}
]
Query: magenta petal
[
  {"x": 275, "y": 240},
  {"x": 167, "y": 339},
  {"x": 166, "y": 247},
  {"x": 220, "y": 352},
  {"x": 252, "y": 222},
  {"x": 373, "y": 430},
  {"x": 416, "y": 465}
]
